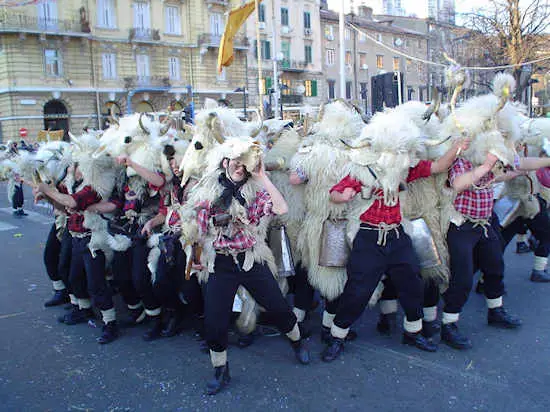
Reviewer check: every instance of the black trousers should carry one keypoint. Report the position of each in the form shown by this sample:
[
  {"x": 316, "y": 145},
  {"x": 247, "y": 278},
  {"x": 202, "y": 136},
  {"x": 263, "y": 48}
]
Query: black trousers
[
  {"x": 87, "y": 275},
  {"x": 17, "y": 199},
  {"x": 470, "y": 249},
  {"x": 57, "y": 256},
  {"x": 303, "y": 291},
  {"x": 220, "y": 292},
  {"x": 368, "y": 262},
  {"x": 539, "y": 227},
  {"x": 431, "y": 292},
  {"x": 132, "y": 276}
]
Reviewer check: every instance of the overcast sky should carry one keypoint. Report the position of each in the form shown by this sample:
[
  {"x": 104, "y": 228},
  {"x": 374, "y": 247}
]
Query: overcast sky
[{"x": 418, "y": 7}]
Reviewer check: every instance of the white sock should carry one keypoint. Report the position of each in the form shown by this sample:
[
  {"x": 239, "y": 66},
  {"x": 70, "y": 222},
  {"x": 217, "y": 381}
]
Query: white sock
[
  {"x": 430, "y": 313},
  {"x": 539, "y": 263},
  {"x": 84, "y": 303},
  {"x": 153, "y": 312},
  {"x": 108, "y": 315},
  {"x": 522, "y": 238},
  {"x": 136, "y": 306},
  {"x": 74, "y": 299},
  {"x": 388, "y": 306},
  {"x": 338, "y": 332},
  {"x": 300, "y": 314},
  {"x": 328, "y": 319},
  {"x": 218, "y": 358},
  {"x": 412, "y": 327},
  {"x": 494, "y": 303},
  {"x": 294, "y": 334},
  {"x": 449, "y": 317},
  {"x": 58, "y": 285}
]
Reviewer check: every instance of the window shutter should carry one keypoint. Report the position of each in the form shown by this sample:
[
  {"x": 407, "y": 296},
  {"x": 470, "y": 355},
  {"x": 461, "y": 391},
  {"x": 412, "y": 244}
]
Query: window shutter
[
  {"x": 268, "y": 83},
  {"x": 314, "y": 88}
]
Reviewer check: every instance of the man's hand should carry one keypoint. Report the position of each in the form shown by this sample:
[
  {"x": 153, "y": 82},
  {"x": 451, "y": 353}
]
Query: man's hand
[
  {"x": 462, "y": 145},
  {"x": 490, "y": 160},
  {"x": 259, "y": 172},
  {"x": 348, "y": 194},
  {"x": 147, "y": 228},
  {"x": 124, "y": 160}
]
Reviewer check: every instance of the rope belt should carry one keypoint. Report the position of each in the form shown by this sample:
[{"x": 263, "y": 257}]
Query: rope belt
[
  {"x": 483, "y": 223},
  {"x": 80, "y": 235},
  {"x": 383, "y": 230}
]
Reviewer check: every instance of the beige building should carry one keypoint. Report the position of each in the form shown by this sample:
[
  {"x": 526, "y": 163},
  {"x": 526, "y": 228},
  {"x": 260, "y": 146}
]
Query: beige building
[
  {"x": 365, "y": 59},
  {"x": 290, "y": 37},
  {"x": 65, "y": 62}
]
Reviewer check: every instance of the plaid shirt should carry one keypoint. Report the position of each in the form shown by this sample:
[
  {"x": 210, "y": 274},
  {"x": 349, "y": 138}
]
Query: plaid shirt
[
  {"x": 83, "y": 198},
  {"x": 379, "y": 212},
  {"x": 175, "y": 197},
  {"x": 473, "y": 203},
  {"x": 240, "y": 239}
]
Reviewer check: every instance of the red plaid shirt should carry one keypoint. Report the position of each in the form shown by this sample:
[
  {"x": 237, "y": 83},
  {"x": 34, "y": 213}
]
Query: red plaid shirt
[
  {"x": 379, "y": 212},
  {"x": 176, "y": 196},
  {"x": 83, "y": 198},
  {"x": 239, "y": 240},
  {"x": 474, "y": 203}
]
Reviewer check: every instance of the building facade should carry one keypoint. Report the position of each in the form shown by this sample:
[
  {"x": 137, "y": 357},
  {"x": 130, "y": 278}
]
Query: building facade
[{"x": 65, "y": 63}]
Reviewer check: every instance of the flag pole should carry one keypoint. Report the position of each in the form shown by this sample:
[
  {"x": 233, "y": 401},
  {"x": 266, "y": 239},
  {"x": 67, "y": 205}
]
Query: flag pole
[{"x": 259, "y": 56}]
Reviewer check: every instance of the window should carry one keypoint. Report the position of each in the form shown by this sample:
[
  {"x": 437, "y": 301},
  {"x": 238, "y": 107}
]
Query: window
[
  {"x": 309, "y": 54},
  {"x": 174, "y": 68},
  {"x": 409, "y": 65},
  {"x": 142, "y": 65},
  {"x": 379, "y": 37},
  {"x": 109, "y": 66},
  {"x": 284, "y": 16},
  {"x": 331, "y": 57},
  {"x": 52, "y": 62},
  {"x": 265, "y": 49},
  {"x": 396, "y": 63},
  {"x": 348, "y": 90},
  {"x": 347, "y": 34},
  {"x": 142, "y": 16},
  {"x": 266, "y": 85},
  {"x": 420, "y": 43},
  {"x": 285, "y": 49},
  {"x": 288, "y": 89},
  {"x": 362, "y": 37},
  {"x": 106, "y": 14},
  {"x": 379, "y": 61},
  {"x": 331, "y": 88},
  {"x": 221, "y": 76},
  {"x": 307, "y": 20},
  {"x": 348, "y": 58},
  {"x": 47, "y": 14},
  {"x": 172, "y": 20},
  {"x": 329, "y": 32},
  {"x": 311, "y": 88},
  {"x": 363, "y": 60},
  {"x": 216, "y": 24},
  {"x": 261, "y": 12}
]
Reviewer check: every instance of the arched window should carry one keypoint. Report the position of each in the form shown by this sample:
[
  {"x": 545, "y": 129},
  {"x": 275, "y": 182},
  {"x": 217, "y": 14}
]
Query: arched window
[
  {"x": 56, "y": 117},
  {"x": 144, "y": 107}
]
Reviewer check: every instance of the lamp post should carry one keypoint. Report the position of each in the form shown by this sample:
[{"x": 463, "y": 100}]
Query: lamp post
[
  {"x": 282, "y": 87},
  {"x": 243, "y": 90}
]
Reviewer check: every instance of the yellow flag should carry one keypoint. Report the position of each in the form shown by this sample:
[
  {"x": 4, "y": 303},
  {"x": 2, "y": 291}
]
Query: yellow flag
[{"x": 236, "y": 19}]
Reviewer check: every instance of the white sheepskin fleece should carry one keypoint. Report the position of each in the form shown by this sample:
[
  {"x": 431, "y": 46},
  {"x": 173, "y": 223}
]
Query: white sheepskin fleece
[{"x": 338, "y": 122}]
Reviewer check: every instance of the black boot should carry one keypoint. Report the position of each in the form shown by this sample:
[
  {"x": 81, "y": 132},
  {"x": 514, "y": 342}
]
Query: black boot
[
  {"x": 387, "y": 323},
  {"x": 451, "y": 336},
  {"x": 539, "y": 276},
  {"x": 480, "y": 287},
  {"x": 522, "y": 247},
  {"x": 173, "y": 325},
  {"x": 59, "y": 298},
  {"x": 156, "y": 328},
  {"x": 333, "y": 349},
  {"x": 137, "y": 315},
  {"x": 244, "y": 341},
  {"x": 416, "y": 339},
  {"x": 71, "y": 308},
  {"x": 430, "y": 329},
  {"x": 109, "y": 333},
  {"x": 500, "y": 318},
  {"x": 301, "y": 351},
  {"x": 326, "y": 335},
  {"x": 78, "y": 315},
  {"x": 220, "y": 381}
]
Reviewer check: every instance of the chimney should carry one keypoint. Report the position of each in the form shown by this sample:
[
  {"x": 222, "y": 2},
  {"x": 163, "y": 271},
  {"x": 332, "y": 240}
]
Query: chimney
[{"x": 366, "y": 12}]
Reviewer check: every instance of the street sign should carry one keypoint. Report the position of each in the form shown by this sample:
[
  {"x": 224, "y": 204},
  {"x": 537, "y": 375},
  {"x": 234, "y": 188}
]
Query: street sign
[{"x": 23, "y": 132}]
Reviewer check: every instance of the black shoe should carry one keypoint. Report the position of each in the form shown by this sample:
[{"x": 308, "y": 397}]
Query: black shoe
[
  {"x": 451, "y": 336},
  {"x": 78, "y": 316},
  {"x": 326, "y": 335},
  {"x": 480, "y": 287},
  {"x": 203, "y": 346},
  {"x": 533, "y": 243},
  {"x": 109, "y": 333},
  {"x": 72, "y": 308},
  {"x": 23, "y": 213},
  {"x": 522, "y": 247},
  {"x": 333, "y": 349},
  {"x": 59, "y": 298},
  {"x": 245, "y": 341},
  {"x": 137, "y": 315},
  {"x": 500, "y": 318},
  {"x": 418, "y": 340},
  {"x": 301, "y": 351},
  {"x": 539, "y": 276},
  {"x": 387, "y": 323},
  {"x": 430, "y": 329},
  {"x": 220, "y": 381},
  {"x": 155, "y": 331},
  {"x": 174, "y": 323}
]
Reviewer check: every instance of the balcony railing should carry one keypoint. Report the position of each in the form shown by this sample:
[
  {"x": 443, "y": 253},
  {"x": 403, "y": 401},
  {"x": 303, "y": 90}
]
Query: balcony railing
[
  {"x": 292, "y": 98},
  {"x": 146, "y": 81},
  {"x": 219, "y": 2},
  {"x": 240, "y": 41},
  {"x": 293, "y": 65},
  {"x": 143, "y": 34},
  {"x": 24, "y": 23}
]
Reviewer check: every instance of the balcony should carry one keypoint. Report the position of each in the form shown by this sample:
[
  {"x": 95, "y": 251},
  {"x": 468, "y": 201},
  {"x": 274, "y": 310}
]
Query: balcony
[
  {"x": 21, "y": 23},
  {"x": 293, "y": 65},
  {"x": 142, "y": 34},
  {"x": 240, "y": 41},
  {"x": 146, "y": 81},
  {"x": 217, "y": 2},
  {"x": 292, "y": 98}
]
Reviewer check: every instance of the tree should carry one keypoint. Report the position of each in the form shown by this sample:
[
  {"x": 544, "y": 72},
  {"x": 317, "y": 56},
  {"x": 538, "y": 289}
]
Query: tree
[{"x": 512, "y": 32}]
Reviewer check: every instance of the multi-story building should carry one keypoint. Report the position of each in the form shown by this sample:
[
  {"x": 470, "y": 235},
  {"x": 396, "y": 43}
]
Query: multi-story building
[
  {"x": 290, "y": 44},
  {"x": 66, "y": 62},
  {"x": 364, "y": 58}
]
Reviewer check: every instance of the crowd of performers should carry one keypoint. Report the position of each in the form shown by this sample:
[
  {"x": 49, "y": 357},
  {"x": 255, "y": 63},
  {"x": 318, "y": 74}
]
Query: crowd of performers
[{"x": 180, "y": 226}]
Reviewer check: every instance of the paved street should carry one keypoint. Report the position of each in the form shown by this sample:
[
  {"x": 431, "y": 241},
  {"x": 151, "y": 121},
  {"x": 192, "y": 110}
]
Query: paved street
[{"x": 46, "y": 366}]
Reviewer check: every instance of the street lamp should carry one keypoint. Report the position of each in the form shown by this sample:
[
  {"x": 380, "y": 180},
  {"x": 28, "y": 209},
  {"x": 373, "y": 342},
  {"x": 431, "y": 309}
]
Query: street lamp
[
  {"x": 282, "y": 87},
  {"x": 243, "y": 90}
]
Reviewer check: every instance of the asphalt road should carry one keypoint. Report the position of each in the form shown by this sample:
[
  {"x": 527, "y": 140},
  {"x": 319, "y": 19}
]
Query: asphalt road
[{"x": 46, "y": 366}]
